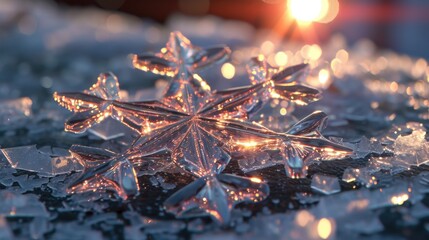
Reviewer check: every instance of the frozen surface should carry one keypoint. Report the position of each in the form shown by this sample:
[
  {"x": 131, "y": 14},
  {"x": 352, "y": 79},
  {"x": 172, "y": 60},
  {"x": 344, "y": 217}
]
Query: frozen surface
[{"x": 384, "y": 184}]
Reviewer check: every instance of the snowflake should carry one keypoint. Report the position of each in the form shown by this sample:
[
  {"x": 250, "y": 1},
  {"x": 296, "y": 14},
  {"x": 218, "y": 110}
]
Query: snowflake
[{"x": 199, "y": 128}]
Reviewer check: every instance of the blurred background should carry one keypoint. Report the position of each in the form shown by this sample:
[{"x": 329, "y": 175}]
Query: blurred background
[
  {"x": 61, "y": 45},
  {"x": 400, "y": 25}
]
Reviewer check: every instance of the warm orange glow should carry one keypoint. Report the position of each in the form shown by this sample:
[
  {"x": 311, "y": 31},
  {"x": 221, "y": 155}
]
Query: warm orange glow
[
  {"x": 281, "y": 58},
  {"x": 303, "y": 218},
  {"x": 324, "y": 228},
  {"x": 323, "y": 11},
  {"x": 267, "y": 47},
  {"x": 400, "y": 199},
  {"x": 333, "y": 7},
  {"x": 255, "y": 180},
  {"x": 301, "y": 10},
  {"x": 248, "y": 144},
  {"x": 323, "y": 76}
]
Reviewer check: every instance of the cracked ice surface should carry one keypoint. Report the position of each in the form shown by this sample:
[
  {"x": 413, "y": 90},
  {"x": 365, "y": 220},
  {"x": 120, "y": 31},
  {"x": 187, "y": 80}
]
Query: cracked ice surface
[{"x": 31, "y": 159}]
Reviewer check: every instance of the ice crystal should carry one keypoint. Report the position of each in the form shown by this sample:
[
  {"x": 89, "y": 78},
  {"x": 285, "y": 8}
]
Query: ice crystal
[
  {"x": 215, "y": 196},
  {"x": 277, "y": 84},
  {"x": 197, "y": 130},
  {"x": 180, "y": 58}
]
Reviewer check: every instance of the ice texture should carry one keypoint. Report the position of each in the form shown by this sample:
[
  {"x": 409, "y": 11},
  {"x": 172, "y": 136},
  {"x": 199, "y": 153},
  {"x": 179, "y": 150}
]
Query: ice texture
[
  {"x": 413, "y": 149},
  {"x": 31, "y": 159}
]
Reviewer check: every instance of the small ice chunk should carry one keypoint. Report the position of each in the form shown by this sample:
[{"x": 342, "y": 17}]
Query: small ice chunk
[
  {"x": 350, "y": 174},
  {"x": 412, "y": 149},
  {"x": 256, "y": 161},
  {"x": 367, "y": 146},
  {"x": 388, "y": 163},
  {"x": 7, "y": 173},
  {"x": 31, "y": 159},
  {"x": 160, "y": 181},
  {"x": 154, "y": 181},
  {"x": 362, "y": 148},
  {"x": 17, "y": 205},
  {"x": 365, "y": 177},
  {"x": 325, "y": 184},
  {"x": 58, "y": 185},
  {"x": 376, "y": 146},
  {"x": 362, "y": 175},
  {"x": 168, "y": 186},
  {"x": 15, "y": 110},
  {"x": 29, "y": 183}
]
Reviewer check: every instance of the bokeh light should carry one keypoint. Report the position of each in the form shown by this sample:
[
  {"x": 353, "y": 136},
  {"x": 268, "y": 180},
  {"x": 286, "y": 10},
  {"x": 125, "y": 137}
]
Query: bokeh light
[
  {"x": 228, "y": 70},
  {"x": 323, "y": 11}
]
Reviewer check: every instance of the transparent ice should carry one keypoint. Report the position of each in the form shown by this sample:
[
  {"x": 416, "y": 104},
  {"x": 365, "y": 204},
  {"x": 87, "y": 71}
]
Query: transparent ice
[
  {"x": 109, "y": 129},
  {"x": 367, "y": 146},
  {"x": 197, "y": 130},
  {"x": 31, "y": 159},
  {"x": 413, "y": 149},
  {"x": 215, "y": 196},
  {"x": 95, "y": 212},
  {"x": 104, "y": 170},
  {"x": 180, "y": 58},
  {"x": 325, "y": 184}
]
